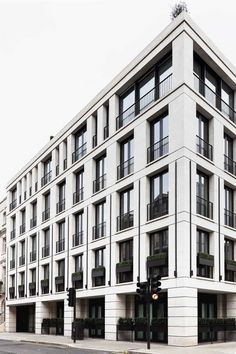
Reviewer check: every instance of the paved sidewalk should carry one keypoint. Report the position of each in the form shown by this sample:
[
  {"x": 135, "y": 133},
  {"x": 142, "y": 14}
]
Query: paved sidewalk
[{"x": 120, "y": 347}]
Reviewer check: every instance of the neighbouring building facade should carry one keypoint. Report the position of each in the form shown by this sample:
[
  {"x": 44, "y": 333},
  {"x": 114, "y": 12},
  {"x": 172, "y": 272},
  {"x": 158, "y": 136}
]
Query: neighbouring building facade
[
  {"x": 141, "y": 181},
  {"x": 3, "y": 208}
]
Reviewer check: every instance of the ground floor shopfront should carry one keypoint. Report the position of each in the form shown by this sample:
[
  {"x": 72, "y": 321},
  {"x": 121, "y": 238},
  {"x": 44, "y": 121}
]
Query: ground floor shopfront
[{"x": 181, "y": 316}]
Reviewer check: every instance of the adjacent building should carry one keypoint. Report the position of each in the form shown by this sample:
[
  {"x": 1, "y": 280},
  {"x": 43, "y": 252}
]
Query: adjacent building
[
  {"x": 3, "y": 208},
  {"x": 142, "y": 181}
]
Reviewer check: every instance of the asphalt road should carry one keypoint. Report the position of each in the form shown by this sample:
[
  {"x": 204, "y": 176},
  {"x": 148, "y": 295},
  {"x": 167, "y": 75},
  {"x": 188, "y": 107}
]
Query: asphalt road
[{"x": 12, "y": 347}]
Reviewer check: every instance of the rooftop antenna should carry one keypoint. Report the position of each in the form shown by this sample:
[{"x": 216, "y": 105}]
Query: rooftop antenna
[{"x": 177, "y": 9}]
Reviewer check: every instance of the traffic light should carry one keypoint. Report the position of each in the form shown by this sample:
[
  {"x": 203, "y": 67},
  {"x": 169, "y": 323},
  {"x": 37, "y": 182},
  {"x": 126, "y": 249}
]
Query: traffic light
[
  {"x": 71, "y": 297},
  {"x": 155, "y": 286},
  {"x": 142, "y": 289}
]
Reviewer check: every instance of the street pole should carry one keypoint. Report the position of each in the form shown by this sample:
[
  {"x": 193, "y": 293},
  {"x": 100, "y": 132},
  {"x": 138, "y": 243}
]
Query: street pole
[
  {"x": 148, "y": 334},
  {"x": 74, "y": 308}
]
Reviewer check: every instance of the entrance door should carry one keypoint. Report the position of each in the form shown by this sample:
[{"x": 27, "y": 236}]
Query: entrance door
[
  {"x": 60, "y": 318},
  {"x": 207, "y": 308},
  {"x": 25, "y": 318},
  {"x": 96, "y": 310}
]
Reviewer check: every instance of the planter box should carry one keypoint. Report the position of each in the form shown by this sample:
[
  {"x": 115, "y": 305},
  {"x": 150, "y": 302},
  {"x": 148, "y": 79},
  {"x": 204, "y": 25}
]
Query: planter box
[
  {"x": 77, "y": 276},
  {"x": 205, "y": 259},
  {"x": 157, "y": 260},
  {"x": 230, "y": 265},
  {"x": 125, "y": 327},
  {"x": 45, "y": 283},
  {"x": 126, "y": 266},
  {"x": 98, "y": 272},
  {"x": 32, "y": 286},
  {"x": 59, "y": 280}
]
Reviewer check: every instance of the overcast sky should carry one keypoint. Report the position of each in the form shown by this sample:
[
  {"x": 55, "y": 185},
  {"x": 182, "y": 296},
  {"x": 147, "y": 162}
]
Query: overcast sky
[{"x": 57, "y": 55}]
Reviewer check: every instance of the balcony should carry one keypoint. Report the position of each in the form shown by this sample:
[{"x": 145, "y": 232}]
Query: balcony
[
  {"x": 13, "y": 234},
  {"x": 21, "y": 260},
  {"x": 125, "y": 221},
  {"x": 64, "y": 164},
  {"x": 21, "y": 289},
  {"x": 125, "y": 168},
  {"x": 106, "y": 132},
  {"x": 22, "y": 229},
  {"x": 46, "y": 214},
  {"x": 60, "y": 283},
  {"x": 60, "y": 246},
  {"x": 213, "y": 98},
  {"x": 33, "y": 256},
  {"x": 32, "y": 288},
  {"x": 204, "y": 207},
  {"x": 61, "y": 206},
  {"x": 79, "y": 153},
  {"x": 45, "y": 286},
  {"x": 45, "y": 251},
  {"x": 158, "y": 149},
  {"x": 94, "y": 141},
  {"x": 99, "y": 183},
  {"x": 158, "y": 260},
  {"x": 124, "y": 266},
  {"x": 99, "y": 230},
  {"x": 13, "y": 205},
  {"x": 205, "y": 259},
  {"x": 78, "y": 196},
  {"x": 77, "y": 279},
  {"x": 12, "y": 263},
  {"x": 12, "y": 292},
  {"x": 230, "y": 218},
  {"x": 46, "y": 178},
  {"x": 204, "y": 148},
  {"x": 158, "y": 208},
  {"x": 33, "y": 222},
  {"x": 229, "y": 165},
  {"x": 77, "y": 239},
  {"x": 162, "y": 89}
]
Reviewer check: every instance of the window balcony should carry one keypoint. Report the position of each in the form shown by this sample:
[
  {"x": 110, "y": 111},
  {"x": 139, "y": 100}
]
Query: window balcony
[
  {"x": 60, "y": 246},
  {"x": 64, "y": 164},
  {"x": 12, "y": 292},
  {"x": 21, "y": 289},
  {"x": 204, "y": 207},
  {"x": 60, "y": 283},
  {"x": 158, "y": 149},
  {"x": 61, "y": 206},
  {"x": 106, "y": 132},
  {"x": 45, "y": 286},
  {"x": 77, "y": 239},
  {"x": 124, "y": 271},
  {"x": 78, "y": 196},
  {"x": 158, "y": 208},
  {"x": 12, "y": 263},
  {"x": 13, "y": 205},
  {"x": 99, "y": 230},
  {"x": 98, "y": 276},
  {"x": 33, "y": 222},
  {"x": 57, "y": 170},
  {"x": 230, "y": 218},
  {"x": 45, "y": 251},
  {"x": 79, "y": 153},
  {"x": 99, "y": 183},
  {"x": 25, "y": 195},
  {"x": 230, "y": 265},
  {"x": 125, "y": 221},
  {"x": 205, "y": 259},
  {"x": 94, "y": 141},
  {"x": 162, "y": 89},
  {"x": 158, "y": 260},
  {"x": 214, "y": 98},
  {"x": 33, "y": 256},
  {"x": 46, "y": 178},
  {"x": 21, "y": 260},
  {"x": 22, "y": 229},
  {"x": 36, "y": 186},
  {"x": 13, "y": 234},
  {"x": 77, "y": 279},
  {"x": 46, "y": 214},
  {"x": 229, "y": 165},
  {"x": 204, "y": 148},
  {"x": 32, "y": 288},
  {"x": 125, "y": 168}
]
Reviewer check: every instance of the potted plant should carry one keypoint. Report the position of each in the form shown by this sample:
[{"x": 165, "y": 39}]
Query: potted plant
[
  {"x": 125, "y": 324},
  {"x": 157, "y": 260},
  {"x": 140, "y": 323},
  {"x": 230, "y": 265},
  {"x": 206, "y": 259},
  {"x": 124, "y": 266}
]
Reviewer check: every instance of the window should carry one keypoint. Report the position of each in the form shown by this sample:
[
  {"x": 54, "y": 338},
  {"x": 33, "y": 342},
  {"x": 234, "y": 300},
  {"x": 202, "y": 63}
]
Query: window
[
  {"x": 61, "y": 197},
  {"x": 22, "y": 226},
  {"x": 80, "y": 144},
  {"x": 13, "y": 227},
  {"x": 98, "y": 273},
  {"x": 126, "y": 158},
  {"x": 22, "y": 253},
  {"x": 230, "y": 265},
  {"x": 164, "y": 70},
  {"x": 32, "y": 284},
  {"x": 12, "y": 260},
  {"x": 205, "y": 262},
  {"x": 45, "y": 280},
  {"x": 21, "y": 287},
  {"x": 60, "y": 281},
  {"x": 203, "y": 146},
  {"x": 60, "y": 244},
  {"x": 99, "y": 230},
  {"x": 94, "y": 141},
  {"x": 33, "y": 253},
  {"x": 77, "y": 277},
  {"x": 106, "y": 127},
  {"x": 124, "y": 268},
  {"x": 46, "y": 243},
  {"x": 79, "y": 229},
  {"x": 99, "y": 258},
  {"x": 100, "y": 180},
  {"x": 159, "y": 142},
  {"x": 158, "y": 261},
  {"x": 126, "y": 217},
  {"x": 230, "y": 217},
  {"x": 33, "y": 220},
  {"x": 146, "y": 91},
  {"x": 12, "y": 287},
  {"x": 127, "y": 107},
  {"x": 79, "y": 263},
  {"x": 46, "y": 212},
  {"x": 229, "y": 163},
  {"x": 13, "y": 199},
  {"x": 47, "y": 172},
  {"x": 78, "y": 195},
  {"x": 159, "y": 192},
  {"x": 204, "y": 207}
]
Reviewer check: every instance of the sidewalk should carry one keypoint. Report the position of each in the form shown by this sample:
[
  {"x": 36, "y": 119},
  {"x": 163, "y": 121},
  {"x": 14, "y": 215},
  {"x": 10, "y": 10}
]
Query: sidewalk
[{"x": 120, "y": 347}]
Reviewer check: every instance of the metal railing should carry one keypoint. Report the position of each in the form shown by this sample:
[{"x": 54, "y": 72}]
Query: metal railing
[
  {"x": 106, "y": 132},
  {"x": 99, "y": 183},
  {"x": 77, "y": 239},
  {"x": 57, "y": 170},
  {"x": 160, "y": 90},
  {"x": 158, "y": 208},
  {"x": 33, "y": 256},
  {"x": 79, "y": 153},
  {"x": 99, "y": 230},
  {"x": 60, "y": 246},
  {"x": 13, "y": 234},
  {"x": 125, "y": 221},
  {"x": 46, "y": 178},
  {"x": 45, "y": 251},
  {"x": 94, "y": 141},
  {"x": 230, "y": 218},
  {"x": 61, "y": 206},
  {"x": 125, "y": 168},
  {"x": 12, "y": 263},
  {"x": 204, "y": 148},
  {"x": 204, "y": 207},
  {"x": 13, "y": 204},
  {"x": 21, "y": 260},
  {"x": 229, "y": 165},
  {"x": 46, "y": 214},
  {"x": 158, "y": 149},
  {"x": 33, "y": 222},
  {"x": 78, "y": 196},
  {"x": 213, "y": 98},
  {"x": 22, "y": 229},
  {"x": 65, "y": 164}
]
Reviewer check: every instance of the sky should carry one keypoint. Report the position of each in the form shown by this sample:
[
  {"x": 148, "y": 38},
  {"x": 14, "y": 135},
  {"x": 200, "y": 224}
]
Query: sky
[{"x": 55, "y": 56}]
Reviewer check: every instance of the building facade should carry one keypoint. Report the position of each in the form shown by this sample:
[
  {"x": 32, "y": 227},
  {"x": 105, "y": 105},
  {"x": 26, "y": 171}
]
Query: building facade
[
  {"x": 3, "y": 208},
  {"x": 141, "y": 181}
]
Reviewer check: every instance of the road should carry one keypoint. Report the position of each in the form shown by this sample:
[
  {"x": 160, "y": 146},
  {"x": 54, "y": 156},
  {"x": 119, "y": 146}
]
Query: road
[{"x": 12, "y": 347}]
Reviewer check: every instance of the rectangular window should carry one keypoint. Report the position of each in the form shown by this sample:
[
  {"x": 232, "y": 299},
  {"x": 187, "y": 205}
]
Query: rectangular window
[
  {"x": 157, "y": 262},
  {"x": 126, "y": 158},
  {"x": 205, "y": 262},
  {"x": 79, "y": 263},
  {"x": 159, "y": 196},
  {"x": 80, "y": 144},
  {"x": 204, "y": 206},
  {"x": 146, "y": 91},
  {"x": 126, "y": 250},
  {"x": 99, "y": 258}
]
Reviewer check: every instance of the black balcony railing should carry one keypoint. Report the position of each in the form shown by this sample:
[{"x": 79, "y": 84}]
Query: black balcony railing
[
  {"x": 230, "y": 218},
  {"x": 99, "y": 183},
  {"x": 60, "y": 246},
  {"x": 33, "y": 255},
  {"x": 65, "y": 164},
  {"x": 21, "y": 260},
  {"x": 13, "y": 234},
  {"x": 106, "y": 132},
  {"x": 22, "y": 229},
  {"x": 144, "y": 102},
  {"x": 213, "y": 98},
  {"x": 125, "y": 168},
  {"x": 36, "y": 186},
  {"x": 30, "y": 191},
  {"x": 204, "y": 148},
  {"x": 12, "y": 263},
  {"x": 21, "y": 289},
  {"x": 229, "y": 165},
  {"x": 45, "y": 251},
  {"x": 46, "y": 178},
  {"x": 204, "y": 207},
  {"x": 25, "y": 195},
  {"x": 79, "y": 153},
  {"x": 19, "y": 199},
  {"x": 125, "y": 221},
  {"x": 158, "y": 208},
  {"x": 158, "y": 149},
  {"x": 94, "y": 142},
  {"x": 13, "y": 204},
  {"x": 33, "y": 222},
  {"x": 61, "y": 206},
  {"x": 46, "y": 214},
  {"x": 78, "y": 239},
  {"x": 78, "y": 196},
  {"x": 99, "y": 230},
  {"x": 57, "y": 170}
]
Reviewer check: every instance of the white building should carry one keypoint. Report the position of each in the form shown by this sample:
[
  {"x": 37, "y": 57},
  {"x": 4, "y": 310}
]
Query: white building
[
  {"x": 3, "y": 208},
  {"x": 142, "y": 178}
]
